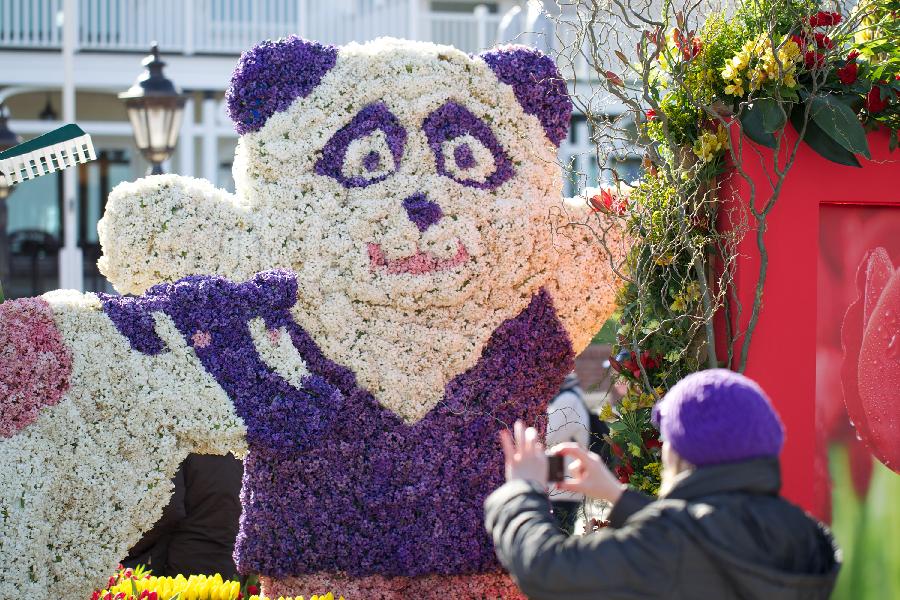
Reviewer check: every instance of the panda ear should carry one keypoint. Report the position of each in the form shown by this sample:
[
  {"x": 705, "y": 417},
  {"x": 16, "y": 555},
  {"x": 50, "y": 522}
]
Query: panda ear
[
  {"x": 271, "y": 75},
  {"x": 538, "y": 86}
]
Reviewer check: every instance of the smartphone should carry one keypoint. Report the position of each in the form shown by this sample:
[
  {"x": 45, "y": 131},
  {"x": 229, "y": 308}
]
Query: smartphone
[{"x": 556, "y": 468}]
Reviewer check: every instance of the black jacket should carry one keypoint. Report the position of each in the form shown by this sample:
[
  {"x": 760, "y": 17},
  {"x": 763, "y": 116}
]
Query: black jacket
[
  {"x": 722, "y": 532},
  {"x": 196, "y": 533}
]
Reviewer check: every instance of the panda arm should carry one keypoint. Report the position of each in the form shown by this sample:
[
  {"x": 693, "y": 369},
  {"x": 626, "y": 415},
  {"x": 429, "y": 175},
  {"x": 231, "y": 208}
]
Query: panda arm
[
  {"x": 162, "y": 228},
  {"x": 590, "y": 248}
]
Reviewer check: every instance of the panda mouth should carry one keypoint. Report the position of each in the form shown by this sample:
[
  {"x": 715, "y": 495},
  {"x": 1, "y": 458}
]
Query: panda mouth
[{"x": 419, "y": 263}]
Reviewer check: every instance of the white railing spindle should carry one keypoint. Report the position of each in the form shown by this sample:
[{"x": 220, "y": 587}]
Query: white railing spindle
[{"x": 230, "y": 26}]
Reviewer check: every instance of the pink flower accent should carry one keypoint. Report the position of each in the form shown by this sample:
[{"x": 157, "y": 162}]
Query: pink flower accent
[
  {"x": 35, "y": 365},
  {"x": 377, "y": 587},
  {"x": 201, "y": 339},
  {"x": 419, "y": 263},
  {"x": 274, "y": 335}
]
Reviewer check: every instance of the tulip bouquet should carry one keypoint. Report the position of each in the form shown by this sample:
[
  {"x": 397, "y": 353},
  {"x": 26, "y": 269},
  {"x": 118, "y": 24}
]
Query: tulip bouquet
[{"x": 140, "y": 584}]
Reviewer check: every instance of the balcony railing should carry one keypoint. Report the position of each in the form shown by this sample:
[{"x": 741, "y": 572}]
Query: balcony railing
[{"x": 230, "y": 26}]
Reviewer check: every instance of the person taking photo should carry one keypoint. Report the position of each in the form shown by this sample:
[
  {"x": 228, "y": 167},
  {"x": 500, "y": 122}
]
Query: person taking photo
[{"x": 718, "y": 530}]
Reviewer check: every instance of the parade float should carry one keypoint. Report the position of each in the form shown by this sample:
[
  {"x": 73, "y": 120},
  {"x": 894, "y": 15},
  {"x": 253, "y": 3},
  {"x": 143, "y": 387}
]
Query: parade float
[{"x": 396, "y": 279}]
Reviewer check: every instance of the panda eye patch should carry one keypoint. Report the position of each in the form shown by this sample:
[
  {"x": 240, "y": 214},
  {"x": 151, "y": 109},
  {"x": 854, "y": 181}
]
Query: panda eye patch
[
  {"x": 465, "y": 149},
  {"x": 366, "y": 150}
]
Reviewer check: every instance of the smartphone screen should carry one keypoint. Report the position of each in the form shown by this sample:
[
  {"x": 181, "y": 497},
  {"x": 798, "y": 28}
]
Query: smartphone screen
[{"x": 556, "y": 468}]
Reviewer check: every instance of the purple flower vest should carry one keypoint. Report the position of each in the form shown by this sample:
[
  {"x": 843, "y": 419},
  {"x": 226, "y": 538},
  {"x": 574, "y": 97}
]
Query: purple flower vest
[{"x": 333, "y": 481}]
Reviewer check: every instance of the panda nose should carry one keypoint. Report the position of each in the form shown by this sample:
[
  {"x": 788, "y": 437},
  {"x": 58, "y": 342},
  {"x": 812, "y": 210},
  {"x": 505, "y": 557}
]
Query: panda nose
[{"x": 422, "y": 211}]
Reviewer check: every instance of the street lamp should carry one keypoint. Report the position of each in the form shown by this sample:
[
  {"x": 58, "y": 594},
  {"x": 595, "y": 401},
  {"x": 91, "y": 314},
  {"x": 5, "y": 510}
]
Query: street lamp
[
  {"x": 8, "y": 139},
  {"x": 155, "y": 108}
]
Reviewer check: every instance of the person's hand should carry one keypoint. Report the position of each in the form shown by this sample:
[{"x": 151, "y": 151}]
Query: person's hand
[
  {"x": 589, "y": 474},
  {"x": 524, "y": 454}
]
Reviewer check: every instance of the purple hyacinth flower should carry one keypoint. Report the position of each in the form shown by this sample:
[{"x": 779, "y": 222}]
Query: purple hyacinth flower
[
  {"x": 422, "y": 211},
  {"x": 539, "y": 88},
  {"x": 271, "y": 75},
  {"x": 464, "y": 157},
  {"x": 453, "y": 120},
  {"x": 370, "y": 119}
]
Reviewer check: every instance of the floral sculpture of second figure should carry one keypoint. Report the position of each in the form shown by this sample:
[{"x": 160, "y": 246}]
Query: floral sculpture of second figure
[{"x": 396, "y": 278}]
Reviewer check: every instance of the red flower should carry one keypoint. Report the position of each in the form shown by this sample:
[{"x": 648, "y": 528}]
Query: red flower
[
  {"x": 609, "y": 202},
  {"x": 825, "y": 19},
  {"x": 624, "y": 473},
  {"x": 651, "y": 440},
  {"x": 874, "y": 103},
  {"x": 648, "y": 361},
  {"x": 814, "y": 60},
  {"x": 617, "y": 450},
  {"x": 689, "y": 45},
  {"x": 848, "y": 73},
  {"x": 800, "y": 41},
  {"x": 252, "y": 589},
  {"x": 853, "y": 55},
  {"x": 823, "y": 41},
  {"x": 651, "y": 114}
]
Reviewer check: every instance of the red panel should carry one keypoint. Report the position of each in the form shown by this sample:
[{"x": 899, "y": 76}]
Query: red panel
[{"x": 782, "y": 354}]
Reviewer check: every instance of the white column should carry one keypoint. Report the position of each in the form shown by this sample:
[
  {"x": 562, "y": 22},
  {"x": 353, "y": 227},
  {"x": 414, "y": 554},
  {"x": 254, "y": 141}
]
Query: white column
[
  {"x": 302, "y": 16},
  {"x": 71, "y": 261},
  {"x": 210, "y": 156},
  {"x": 414, "y": 20},
  {"x": 186, "y": 141},
  {"x": 481, "y": 15}
]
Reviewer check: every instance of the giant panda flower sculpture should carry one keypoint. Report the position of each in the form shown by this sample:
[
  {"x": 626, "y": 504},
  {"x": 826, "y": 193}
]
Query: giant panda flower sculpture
[{"x": 396, "y": 278}]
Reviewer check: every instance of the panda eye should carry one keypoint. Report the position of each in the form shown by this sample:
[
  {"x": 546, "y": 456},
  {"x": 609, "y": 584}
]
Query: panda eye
[
  {"x": 366, "y": 150},
  {"x": 368, "y": 159},
  {"x": 465, "y": 148}
]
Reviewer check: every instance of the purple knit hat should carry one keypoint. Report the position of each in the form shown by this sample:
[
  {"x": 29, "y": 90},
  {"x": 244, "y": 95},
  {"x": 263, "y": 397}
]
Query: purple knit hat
[{"x": 718, "y": 416}]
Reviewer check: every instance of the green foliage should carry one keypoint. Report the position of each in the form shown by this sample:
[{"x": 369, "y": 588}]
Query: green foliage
[
  {"x": 779, "y": 17},
  {"x": 722, "y": 38},
  {"x": 866, "y": 530}
]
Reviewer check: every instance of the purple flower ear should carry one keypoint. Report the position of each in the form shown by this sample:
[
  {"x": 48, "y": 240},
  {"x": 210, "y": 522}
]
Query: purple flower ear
[
  {"x": 271, "y": 75},
  {"x": 539, "y": 87}
]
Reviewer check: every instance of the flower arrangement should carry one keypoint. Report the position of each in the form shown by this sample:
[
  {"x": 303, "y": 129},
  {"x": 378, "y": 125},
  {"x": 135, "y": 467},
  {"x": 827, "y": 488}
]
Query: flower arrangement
[
  {"x": 396, "y": 278},
  {"x": 695, "y": 84},
  {"x": 141, "y": 584}
]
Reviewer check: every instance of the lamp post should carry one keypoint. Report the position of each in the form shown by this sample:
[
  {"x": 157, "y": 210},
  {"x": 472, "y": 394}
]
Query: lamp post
[
  {"x": 8, "y": 139},
  {"x": 155, "y": 108}
]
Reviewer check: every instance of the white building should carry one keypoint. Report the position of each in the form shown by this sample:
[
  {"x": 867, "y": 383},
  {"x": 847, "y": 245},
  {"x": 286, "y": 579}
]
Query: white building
[{"x": 200, "y": 41}]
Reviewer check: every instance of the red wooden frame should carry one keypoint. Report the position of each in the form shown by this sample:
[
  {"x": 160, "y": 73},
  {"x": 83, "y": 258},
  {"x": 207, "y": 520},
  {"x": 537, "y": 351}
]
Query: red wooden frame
[{"x": 782, "y": 355}]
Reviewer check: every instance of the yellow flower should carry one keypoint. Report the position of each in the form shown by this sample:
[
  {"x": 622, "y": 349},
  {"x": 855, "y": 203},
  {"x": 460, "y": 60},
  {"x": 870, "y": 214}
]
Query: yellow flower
[
  {"x": 789, "y": 52},
  {"x": 646, "y": 401},
  {"x": 735, "y": 88},
  {"x": 741, "y": 60},
  {"x": 711, "y": 144},
  {"x": 606, "y": 413}
]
